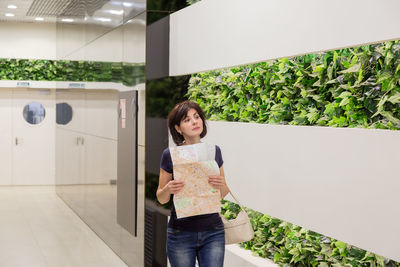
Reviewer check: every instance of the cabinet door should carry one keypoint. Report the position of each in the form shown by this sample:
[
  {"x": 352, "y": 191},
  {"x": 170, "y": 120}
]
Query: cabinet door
[
  {"x": 100, "y": 160},
  {"x": 5, "y": 136},
  {"x": 71, "y": 157},
  {"x": 34, "y": 133},
  {"x": 101, "y": 113}
]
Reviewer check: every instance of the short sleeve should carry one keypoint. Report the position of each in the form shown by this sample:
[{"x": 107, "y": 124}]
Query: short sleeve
[
  {"x": 218, "y": 156},
  {"x": 166, "y": 161}
]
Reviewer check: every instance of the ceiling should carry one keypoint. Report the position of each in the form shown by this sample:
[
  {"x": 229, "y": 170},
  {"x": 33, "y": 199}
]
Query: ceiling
[{"x": 104, "y": 12}]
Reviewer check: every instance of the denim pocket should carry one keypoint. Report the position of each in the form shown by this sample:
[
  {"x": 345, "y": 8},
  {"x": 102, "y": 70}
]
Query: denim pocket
[
  {"x": 219, "y": 227},
  {"x": 172, "y": 231}
]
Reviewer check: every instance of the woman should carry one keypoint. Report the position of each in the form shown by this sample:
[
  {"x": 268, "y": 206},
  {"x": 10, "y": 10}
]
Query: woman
[{"x": 200, "y": 236}]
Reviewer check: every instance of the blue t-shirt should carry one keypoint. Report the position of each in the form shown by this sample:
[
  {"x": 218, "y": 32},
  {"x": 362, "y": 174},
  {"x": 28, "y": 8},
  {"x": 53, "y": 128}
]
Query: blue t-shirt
[{"x": 197, "y": 223}]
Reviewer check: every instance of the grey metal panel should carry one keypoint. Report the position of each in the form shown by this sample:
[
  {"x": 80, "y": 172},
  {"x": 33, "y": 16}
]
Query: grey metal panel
[
  {"x": 127, "y": 164},
  {"x": 157, "y": 49}
]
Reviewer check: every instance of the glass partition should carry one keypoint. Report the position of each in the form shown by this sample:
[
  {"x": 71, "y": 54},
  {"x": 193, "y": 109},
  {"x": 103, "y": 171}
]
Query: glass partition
[{"x": 98, "y": 123}]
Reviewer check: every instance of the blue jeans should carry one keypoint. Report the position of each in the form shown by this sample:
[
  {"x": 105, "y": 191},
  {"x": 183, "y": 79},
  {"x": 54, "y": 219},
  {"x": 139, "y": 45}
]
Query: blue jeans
[{"x": 184, "y": 247}]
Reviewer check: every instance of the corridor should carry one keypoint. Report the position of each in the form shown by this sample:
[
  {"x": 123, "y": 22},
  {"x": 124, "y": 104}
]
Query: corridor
[{"x": 37, "y": 229}]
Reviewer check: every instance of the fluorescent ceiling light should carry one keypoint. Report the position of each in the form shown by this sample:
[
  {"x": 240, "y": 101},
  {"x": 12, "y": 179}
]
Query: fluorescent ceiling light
[
  {"x": 12, "y": 6},
  {"x": 116, "y": 12},
  {"x": 67, "y": 20},
  {"x": 9, "y": 15},
  {"x": 39, "y": 19},
  {"x": 137, "y": 21},
  {"x": 103, "y": 19}
]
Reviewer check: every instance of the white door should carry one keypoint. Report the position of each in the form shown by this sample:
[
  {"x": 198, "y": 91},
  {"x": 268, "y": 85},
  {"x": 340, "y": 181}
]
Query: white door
[
  {"x": 34, "y": 130},
  {"x": 75, "y": 100},
  {"x": 5, "y": 136}
]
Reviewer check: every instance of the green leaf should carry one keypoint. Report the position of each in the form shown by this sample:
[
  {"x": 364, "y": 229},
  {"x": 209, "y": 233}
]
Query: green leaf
[
  {"x": 344, "y": 101},
  {"x": 394, "y": 99},
  {"x": 344, "y": 94},
  {"x": 352, "y": 69},
  {"x": 277, "y": 257}
]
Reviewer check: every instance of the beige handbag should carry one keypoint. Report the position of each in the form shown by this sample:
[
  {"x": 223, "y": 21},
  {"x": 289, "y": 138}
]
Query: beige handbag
[{"x": 239, "y": 229}]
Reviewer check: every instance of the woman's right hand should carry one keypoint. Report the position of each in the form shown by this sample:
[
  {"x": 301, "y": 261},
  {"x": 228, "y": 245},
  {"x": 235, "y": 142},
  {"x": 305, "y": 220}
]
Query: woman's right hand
[{"x": 174, "y": 186}]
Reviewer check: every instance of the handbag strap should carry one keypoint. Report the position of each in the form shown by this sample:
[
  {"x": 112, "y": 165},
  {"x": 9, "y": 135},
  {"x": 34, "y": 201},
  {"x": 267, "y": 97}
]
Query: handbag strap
[{"x": 237, "y": 201}]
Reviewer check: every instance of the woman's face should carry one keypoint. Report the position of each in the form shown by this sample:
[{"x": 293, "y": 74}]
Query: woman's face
[{"x": 191, "y": 125}]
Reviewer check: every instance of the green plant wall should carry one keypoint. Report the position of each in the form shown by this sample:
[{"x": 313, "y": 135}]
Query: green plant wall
[
  {"x": 354, "y": 87},
  {"x": 63, "y": 70}
]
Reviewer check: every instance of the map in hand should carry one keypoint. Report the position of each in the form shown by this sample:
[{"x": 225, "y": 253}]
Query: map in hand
[{"x": 194, "y": 164}]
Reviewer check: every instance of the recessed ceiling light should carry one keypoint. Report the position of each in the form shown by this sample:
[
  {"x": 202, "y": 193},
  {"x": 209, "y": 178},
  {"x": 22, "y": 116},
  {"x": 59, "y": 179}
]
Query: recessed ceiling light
[
  {"x": 9, "y": 15},
  {"x": 39, "y": 19},
  {"x": 12, "y": 6},
  {"x": 103, "y": 19},
  {"x": 116, "y": 12},
  {"x": 126, "y": 4},
  {"x": 67, "y": 20}
]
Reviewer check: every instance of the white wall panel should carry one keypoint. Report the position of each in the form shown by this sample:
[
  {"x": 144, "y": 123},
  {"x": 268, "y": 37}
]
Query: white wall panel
[
  {"x": 6, "y": 134},
  {"x": 340, "y": 182},
  {"x": 27, "y": 40},
  {"x": 217, "y": 34}
]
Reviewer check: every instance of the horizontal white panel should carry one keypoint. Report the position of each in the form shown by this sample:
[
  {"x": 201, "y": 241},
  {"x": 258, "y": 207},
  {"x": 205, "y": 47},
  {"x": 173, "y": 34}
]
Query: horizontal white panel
[
  {"x": 340, "y": 182},
  {"x": 217, "y": 34}
]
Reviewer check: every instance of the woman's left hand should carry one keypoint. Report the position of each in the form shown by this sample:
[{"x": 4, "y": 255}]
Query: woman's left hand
[{"x": 217, "y": 181}]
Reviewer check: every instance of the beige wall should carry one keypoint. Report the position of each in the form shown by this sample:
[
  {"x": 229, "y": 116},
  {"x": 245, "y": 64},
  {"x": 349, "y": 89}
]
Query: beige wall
[
  {"x": 74, "y": 42},
  {"x": 27, "y": 40}
]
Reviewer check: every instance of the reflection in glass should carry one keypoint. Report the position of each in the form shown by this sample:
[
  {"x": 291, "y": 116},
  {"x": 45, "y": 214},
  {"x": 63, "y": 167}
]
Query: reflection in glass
[
  {"x": 94, "y": 189},
  {"x": 63, "y": 113},
  {"x": 34, "y": 113}
]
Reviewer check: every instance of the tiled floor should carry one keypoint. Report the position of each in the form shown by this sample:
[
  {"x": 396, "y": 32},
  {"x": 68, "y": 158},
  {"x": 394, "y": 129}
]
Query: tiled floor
[{"x": 37, "y": 229}]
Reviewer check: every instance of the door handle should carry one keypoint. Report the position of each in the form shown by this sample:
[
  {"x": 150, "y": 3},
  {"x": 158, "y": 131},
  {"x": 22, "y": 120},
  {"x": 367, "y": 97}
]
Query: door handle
[
  {"x": 16, "y": 141},
  {"x": 82, "y": 141},
  {"x": 133, "y": 108}
]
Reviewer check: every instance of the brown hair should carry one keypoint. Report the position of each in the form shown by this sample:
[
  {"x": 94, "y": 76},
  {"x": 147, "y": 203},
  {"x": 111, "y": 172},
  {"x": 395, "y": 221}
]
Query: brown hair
[{"x": 178, "y": 113}]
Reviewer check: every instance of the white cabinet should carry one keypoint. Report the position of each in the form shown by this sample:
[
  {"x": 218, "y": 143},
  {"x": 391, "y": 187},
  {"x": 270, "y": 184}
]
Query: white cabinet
[
  {"x": 100, "y": 160},
  {"x": 87, "y": 145},
  {"x": 76, "y": 100},
  {"x": 70, "y": 157},
  {"x": 101, "y": 118}
]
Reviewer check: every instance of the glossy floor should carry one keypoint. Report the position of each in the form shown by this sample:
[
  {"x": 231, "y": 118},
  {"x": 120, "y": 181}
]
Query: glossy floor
[{"x": 37, "y": 229}]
